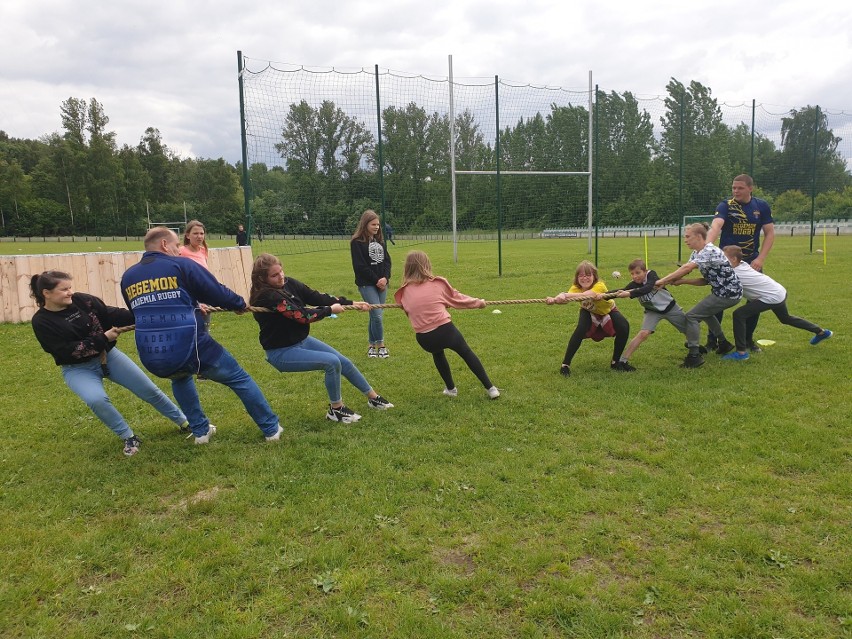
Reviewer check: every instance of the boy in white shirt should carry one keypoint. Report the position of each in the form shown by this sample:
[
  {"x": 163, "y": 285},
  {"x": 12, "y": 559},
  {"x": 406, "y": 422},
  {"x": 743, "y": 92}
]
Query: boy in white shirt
[{"x": 763, "y": 294}]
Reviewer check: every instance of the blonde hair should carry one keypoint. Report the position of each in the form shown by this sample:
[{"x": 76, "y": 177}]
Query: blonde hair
[
  {"x": 698, "y": 228},
  {"x": 361, "y": 233},
  {"x": 586, "y": 267},
  {"x": 155, "y": 235},
  {"x": 191, "y": 225},
  {"x": 418, "y": 268},
  {"x": 259, "y": 273}
]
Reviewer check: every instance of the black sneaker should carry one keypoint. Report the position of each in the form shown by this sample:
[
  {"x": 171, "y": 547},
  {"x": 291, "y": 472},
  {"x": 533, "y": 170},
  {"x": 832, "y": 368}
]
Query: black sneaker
[
  {"x": 702, "y": 350},
  {"x": 379, "y": 402},
  {"x": 724, "y": 347},
  {"x": 692, "y": 361},
  {"x": 624, "y": 367},
  {"x": 131, "y": 445},
  {"x": 754, "y": 348},
  {"x": 343, "y": 414},
  {"x": 712, "y": 344},
  {"x": 565, "y": 371}
]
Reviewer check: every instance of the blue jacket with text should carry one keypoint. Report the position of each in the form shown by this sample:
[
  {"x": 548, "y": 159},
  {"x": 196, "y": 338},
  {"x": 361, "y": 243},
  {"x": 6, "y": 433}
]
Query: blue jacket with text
[{"x": 163, "y": 291}]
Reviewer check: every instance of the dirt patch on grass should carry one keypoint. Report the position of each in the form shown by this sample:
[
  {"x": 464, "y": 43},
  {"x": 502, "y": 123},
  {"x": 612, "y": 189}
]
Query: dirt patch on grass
[{"x": 459, "y": 560}]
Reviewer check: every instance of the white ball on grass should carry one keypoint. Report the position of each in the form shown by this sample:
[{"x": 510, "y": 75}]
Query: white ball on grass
[
  {"x": 497, "y": 311},
  {"x": 616, "y": 274},
  {"x": 819, "y": 250}
]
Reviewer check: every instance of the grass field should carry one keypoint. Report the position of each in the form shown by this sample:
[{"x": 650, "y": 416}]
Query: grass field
[{"x": 662, "y": 503}]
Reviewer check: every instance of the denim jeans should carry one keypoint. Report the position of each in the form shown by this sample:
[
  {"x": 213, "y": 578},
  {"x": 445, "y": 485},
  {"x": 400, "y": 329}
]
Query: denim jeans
[
  {"x": 87, "y": 381},
  {"x": 376, "y": 329},
  {"x": 228, "y": 372},
  {"x": 312, "y": 355}
]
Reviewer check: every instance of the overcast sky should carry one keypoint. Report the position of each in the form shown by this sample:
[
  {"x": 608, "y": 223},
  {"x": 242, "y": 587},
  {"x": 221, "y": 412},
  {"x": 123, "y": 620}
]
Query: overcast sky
[{"x": 173, "y": 65}]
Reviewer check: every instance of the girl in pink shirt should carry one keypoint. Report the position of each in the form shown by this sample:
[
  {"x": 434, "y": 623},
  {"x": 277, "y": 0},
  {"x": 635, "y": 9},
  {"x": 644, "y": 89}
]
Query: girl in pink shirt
[
  {"x": 194, "y": 245},
  {"x": 425, "y": 298}
]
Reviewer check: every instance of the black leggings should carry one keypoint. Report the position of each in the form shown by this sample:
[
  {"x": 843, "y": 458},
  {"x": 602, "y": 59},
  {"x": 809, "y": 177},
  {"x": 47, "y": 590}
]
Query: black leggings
[
  {"x": 584, "y": 323},
  {"x": 448, "y": 336}
]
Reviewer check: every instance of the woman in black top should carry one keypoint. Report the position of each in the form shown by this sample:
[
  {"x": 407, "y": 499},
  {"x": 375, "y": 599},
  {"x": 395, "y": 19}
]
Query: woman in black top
[
  {"x": 372, "y": 265},
  {"x": 284, "y": 334},
  {"x": 80, "y": 331}
]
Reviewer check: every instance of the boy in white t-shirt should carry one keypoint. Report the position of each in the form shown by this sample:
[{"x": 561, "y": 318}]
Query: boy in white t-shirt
[{"x": 763, "y": 294}]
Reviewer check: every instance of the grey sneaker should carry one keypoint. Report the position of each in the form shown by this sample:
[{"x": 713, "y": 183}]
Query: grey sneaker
[
  {"x": 451, "y": 392},
  {"x": 383, "y": 352},
  {"x": 379, "y": 402},
  {"x": 493, "y": 392},
  {"x": 131, "y": 446},
  {"x": 371, "y": 352},
  {"x": 211, "y": 430},
  {"x": 343, "y": 414},
  {"x": 276, "y": 436}
]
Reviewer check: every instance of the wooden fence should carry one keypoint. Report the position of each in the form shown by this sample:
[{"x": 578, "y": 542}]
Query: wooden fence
[{"x": 100, "y": 274}]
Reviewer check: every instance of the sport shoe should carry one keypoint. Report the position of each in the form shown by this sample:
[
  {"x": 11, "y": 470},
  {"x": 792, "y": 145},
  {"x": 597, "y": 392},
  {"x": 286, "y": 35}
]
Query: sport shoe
[
  {"x": 383, "y": 352},
  {"x": 565, "y": 370},
  {"x": 754, "y": 348},
  {"x": 276, "y": 436},
  {"x": 184, "y": 428},
  {"x": 379, "y": 402},
  {"x": 816, "y": 339},
  {"x": 702, "y": 350},
  {"x": 451, "y": 392},
  {"x": 724, "y": 347},
  {"x": 736, "y": 356},
  {"x": 624, "y": 367},
  {"x": 372, "y": 352},
  {"x": 343, "y": 414},
  {"x": 131, "y": 446},
  {"x": 692, "y": 361},
  {"x": 712, "y": 344},
  {"x": 211, "y": 430},
  {"x": 493, "y": 392}
]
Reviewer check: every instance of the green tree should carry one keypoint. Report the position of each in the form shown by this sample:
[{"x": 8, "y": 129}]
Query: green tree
[
  {"x": 707, "y": 169},
  {"x": 808, "y": 149}
]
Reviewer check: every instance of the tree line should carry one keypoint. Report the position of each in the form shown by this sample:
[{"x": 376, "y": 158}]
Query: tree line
[{"x": 325, "y": 172}]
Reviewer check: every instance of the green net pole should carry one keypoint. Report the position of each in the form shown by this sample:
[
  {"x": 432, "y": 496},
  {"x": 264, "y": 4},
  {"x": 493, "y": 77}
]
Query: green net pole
[
  {"x": 244, "y": 144},
  {"x": 680, "y": 184},
  {"x": 813, "y": 177},
  {"x": 381, "y": 162},
  {"x": 594, "y": 174},
  {"x": 497, "y": 156},
  {"x": 751, "y": 162}
]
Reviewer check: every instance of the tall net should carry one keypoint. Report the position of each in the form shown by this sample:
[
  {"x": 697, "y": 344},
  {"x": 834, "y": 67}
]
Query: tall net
[{"x": 315, "y": 150}]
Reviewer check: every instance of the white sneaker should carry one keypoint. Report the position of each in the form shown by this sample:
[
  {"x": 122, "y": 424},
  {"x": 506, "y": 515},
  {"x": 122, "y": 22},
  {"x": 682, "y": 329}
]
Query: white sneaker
[
  {"x": 451, "y": 392},
  {"x": 493, "y": 392},
  {"x": 276, "y": 436},
  {"x": 211, "y": 430}
]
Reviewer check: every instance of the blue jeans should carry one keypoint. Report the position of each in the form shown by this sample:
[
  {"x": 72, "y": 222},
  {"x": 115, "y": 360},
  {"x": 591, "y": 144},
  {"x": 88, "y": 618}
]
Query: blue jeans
[
  {"x": 87, "y": 381},
  {"x": 228, "y": 372},
  {"x": 376, "y": 329},
  {"x": 312, "y": 355}
]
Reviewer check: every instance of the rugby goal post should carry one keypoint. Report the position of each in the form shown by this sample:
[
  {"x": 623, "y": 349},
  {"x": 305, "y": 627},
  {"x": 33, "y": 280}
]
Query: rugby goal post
[{"x": 497, "y": 172}]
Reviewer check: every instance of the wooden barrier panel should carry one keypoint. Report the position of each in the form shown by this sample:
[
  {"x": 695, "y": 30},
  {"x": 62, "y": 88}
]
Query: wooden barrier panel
[{"x": 100, "y": 274}]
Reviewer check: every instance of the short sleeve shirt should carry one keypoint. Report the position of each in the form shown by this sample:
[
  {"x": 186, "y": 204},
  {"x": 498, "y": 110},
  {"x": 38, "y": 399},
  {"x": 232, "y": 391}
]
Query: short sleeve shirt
[
  {"x": 718, "y": 272},
  {"x": 743, "y": 223}
]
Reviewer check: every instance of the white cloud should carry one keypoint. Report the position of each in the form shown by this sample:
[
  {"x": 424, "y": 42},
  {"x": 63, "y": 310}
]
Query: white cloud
[{"x": 172, "y": 65}]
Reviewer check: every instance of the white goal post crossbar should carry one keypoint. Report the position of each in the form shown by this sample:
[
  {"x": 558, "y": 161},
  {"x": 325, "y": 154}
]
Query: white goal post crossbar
[{"x": 454, "y": 172}]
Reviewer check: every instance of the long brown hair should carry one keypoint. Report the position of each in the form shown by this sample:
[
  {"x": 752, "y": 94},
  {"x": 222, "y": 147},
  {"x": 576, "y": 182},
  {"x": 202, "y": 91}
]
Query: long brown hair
[
  {"x": 191, "y": 225},
  {"x": 259, "y": 273},
  {"x": 418, "y": 268},
  {"x": 362, "y": 234}
]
